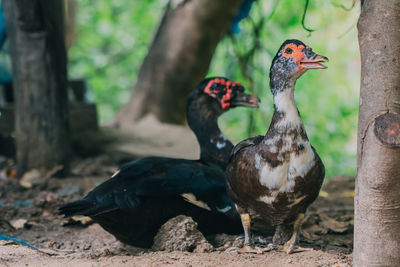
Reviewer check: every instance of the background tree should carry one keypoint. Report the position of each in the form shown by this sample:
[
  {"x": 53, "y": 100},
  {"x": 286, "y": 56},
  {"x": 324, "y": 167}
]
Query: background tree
[
  {"x": 36, "y": 40},
  {"x": 377, "y": 201},
  {"x": 178, "y": 58}
]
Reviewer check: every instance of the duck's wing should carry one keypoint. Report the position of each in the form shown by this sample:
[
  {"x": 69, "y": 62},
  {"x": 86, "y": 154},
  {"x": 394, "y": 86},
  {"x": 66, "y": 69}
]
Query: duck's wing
[
  {"x": 152, "y": 177},
  {"x": 120, "y": 191},
  {"x": 183, "y": 177},
  {"x": 199, "y": 183},
  {"x": 252, "y": 141}
]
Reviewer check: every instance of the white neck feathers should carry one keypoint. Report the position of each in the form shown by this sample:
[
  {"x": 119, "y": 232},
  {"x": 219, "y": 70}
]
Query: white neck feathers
[{"x": 285, "y": 103}]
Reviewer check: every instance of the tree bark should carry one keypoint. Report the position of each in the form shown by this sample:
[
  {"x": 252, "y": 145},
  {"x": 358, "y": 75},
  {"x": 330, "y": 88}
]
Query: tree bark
[
  {"x": 36, "y": 40},
  {"x": 69, "y": 22},
  {"x": 178, "y": 58},
  {"x": 377, "y": 194}
]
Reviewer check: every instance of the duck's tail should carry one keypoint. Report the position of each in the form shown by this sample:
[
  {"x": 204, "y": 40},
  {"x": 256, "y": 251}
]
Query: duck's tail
[{"x": 80, "y": 207}]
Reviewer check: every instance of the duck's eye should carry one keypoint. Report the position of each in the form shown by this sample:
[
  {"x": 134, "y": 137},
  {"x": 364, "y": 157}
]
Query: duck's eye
[{"x": 288, "y": 50}]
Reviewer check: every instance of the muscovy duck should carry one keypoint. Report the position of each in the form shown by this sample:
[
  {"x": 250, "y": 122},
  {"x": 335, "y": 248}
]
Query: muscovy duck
[
  {"x": 277, "y": 176},
  {"x": 147, "y": 192}
]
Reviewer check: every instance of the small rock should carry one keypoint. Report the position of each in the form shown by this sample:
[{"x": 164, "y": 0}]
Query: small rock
[
  {"x": 18, "y": 223},
  {"x": 203, "y": 247},
  {"x": 37, "y": 177},
  {"x": 30, "y": 178},
  {"x": 180, "y": 234}
]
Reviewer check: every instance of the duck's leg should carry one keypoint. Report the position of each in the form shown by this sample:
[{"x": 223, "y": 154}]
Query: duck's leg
[
  {"x": 246, "y": 222},
  {"x": 290, "y": 246}
]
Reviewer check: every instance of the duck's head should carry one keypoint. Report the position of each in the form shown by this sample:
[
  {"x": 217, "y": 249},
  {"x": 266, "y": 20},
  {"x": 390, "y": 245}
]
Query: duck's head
[
  {"x": 291, "y": 61},
  {"x": 218, "y": 94}
]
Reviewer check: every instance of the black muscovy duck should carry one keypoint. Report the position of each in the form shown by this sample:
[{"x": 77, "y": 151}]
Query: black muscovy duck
[
  {"x": 277, "y": 176},
  {"x": 147, "y": 192}
]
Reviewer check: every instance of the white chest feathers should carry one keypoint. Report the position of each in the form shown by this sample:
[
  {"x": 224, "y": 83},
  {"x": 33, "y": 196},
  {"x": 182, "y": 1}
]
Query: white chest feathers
[{"x": 282, "y": 178}]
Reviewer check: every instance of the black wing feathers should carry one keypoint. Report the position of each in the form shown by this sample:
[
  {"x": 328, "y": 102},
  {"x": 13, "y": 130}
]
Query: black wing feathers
[
  {"x": 149, "y": 177},
  {"x": 183, "y": 178}
]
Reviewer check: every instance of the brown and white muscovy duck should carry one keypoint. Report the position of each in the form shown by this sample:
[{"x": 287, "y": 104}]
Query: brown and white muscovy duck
[
  {"x": 147, "y": 192},
  {"x": 277, "y": 176}
]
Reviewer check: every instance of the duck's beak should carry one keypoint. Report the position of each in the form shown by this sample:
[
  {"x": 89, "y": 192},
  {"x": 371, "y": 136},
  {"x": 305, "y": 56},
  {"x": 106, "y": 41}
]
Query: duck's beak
[
  {"x": 312, "y": 61},
  {"x": 246, "y": 100}
]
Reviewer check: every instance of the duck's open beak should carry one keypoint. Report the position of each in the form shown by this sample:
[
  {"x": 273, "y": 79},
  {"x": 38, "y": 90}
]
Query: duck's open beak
[
  {"x": 246, "y": 100},
  {"x": 313, "y": 62}
]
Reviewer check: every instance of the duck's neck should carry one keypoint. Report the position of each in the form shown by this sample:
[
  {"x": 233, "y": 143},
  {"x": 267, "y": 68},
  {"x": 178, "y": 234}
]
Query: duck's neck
[
  {"x": 286, "y": 115},
  {"x": 214, "y": 146}
]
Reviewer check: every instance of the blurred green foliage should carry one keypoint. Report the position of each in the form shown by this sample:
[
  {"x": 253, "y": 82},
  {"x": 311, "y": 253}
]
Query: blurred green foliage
[{"x": 113, "y": 38}]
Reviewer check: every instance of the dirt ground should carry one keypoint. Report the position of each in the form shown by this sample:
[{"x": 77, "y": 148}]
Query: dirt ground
[{"x": 29, "y": 214}]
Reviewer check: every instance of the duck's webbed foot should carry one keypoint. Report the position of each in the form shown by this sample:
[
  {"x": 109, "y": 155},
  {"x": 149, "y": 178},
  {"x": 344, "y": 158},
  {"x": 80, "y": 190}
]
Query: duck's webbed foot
[{"x": 253, "y": 250}]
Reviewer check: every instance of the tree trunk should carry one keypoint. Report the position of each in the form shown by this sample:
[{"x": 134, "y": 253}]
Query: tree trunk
[
  {"x": 36, "y": 40},
  {"x": 178, "y": 58},
  {"x": 377, "y": 195},
  {"x": 69, "y": 22}
]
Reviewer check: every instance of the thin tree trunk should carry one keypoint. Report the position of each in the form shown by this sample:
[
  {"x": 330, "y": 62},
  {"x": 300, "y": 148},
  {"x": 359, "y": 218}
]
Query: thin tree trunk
[
  {"x": 69, "y": 22},
  {"x": 36, "y": 40},
  {"x": 178, "y": 58},
  {"x": 377, "y": 195}
]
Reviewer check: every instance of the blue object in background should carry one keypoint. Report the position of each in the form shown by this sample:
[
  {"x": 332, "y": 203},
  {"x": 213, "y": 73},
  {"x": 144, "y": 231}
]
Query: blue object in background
[
  {"x": 5, "y": 67},
  {"x": 19, "y": 241},
  {"x": 243, "y": 13},
  {"x": 19, "y": 204},
  {"x": 2, "y": 26}
]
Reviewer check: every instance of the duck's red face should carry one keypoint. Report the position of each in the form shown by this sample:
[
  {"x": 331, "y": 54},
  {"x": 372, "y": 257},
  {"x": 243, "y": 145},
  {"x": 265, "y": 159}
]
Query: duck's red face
[
  {"x": 303, "y": 56},
  {"x": 229, "y": 94}
]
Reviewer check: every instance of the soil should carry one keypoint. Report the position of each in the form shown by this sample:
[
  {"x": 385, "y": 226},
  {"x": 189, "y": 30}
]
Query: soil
[{"x": 29, "y": 212}]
